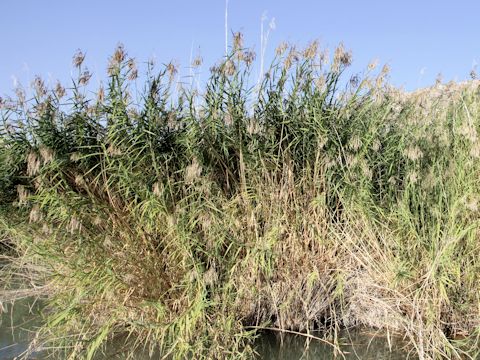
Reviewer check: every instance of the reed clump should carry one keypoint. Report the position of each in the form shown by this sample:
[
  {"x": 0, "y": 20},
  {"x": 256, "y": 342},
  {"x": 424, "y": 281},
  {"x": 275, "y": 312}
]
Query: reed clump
[{"x": 191, "y": 219}]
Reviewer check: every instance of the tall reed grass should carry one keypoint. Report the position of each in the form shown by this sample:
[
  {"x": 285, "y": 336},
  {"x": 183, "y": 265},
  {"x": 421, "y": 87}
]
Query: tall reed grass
[{"x": 190, "y": 222}]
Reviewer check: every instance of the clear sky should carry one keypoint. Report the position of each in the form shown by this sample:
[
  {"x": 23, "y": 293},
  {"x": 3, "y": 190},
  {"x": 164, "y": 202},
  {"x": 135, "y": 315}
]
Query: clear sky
[{"x": 418, "y": 39}]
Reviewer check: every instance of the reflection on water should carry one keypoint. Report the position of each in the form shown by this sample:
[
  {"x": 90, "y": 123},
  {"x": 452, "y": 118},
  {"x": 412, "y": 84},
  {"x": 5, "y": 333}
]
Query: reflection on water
[
  {"x": 356, "y": 344},
  {"x": 116, "y": 350},
  {"x": 18, "y": 322}
]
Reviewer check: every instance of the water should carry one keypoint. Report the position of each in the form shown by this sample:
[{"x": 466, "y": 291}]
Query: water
[
  {"x": 18, "y": 322},
  {"x": 356, "y": 344}
]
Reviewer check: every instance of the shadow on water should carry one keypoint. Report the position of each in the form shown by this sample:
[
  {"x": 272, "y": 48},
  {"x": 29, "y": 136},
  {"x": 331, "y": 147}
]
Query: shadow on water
[{"x": 18, "y": 322}]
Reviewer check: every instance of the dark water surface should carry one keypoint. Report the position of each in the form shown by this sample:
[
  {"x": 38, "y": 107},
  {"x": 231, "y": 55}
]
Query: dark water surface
[
  {"x": 355, "y": 344},
  {"x": 18, "y": 322}
]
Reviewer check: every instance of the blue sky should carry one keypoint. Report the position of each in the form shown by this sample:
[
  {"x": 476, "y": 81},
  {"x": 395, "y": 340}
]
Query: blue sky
[{"x": 418, "y": 39}]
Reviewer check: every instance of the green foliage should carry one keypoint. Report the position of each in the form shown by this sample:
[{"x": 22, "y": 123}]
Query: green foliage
[{"x": 183, "y": 219}]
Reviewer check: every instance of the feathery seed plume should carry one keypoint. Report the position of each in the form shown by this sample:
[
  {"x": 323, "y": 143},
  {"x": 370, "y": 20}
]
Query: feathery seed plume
[
  {"x": 78, "y": 58},
  {"x": 59, "y": 90}
]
